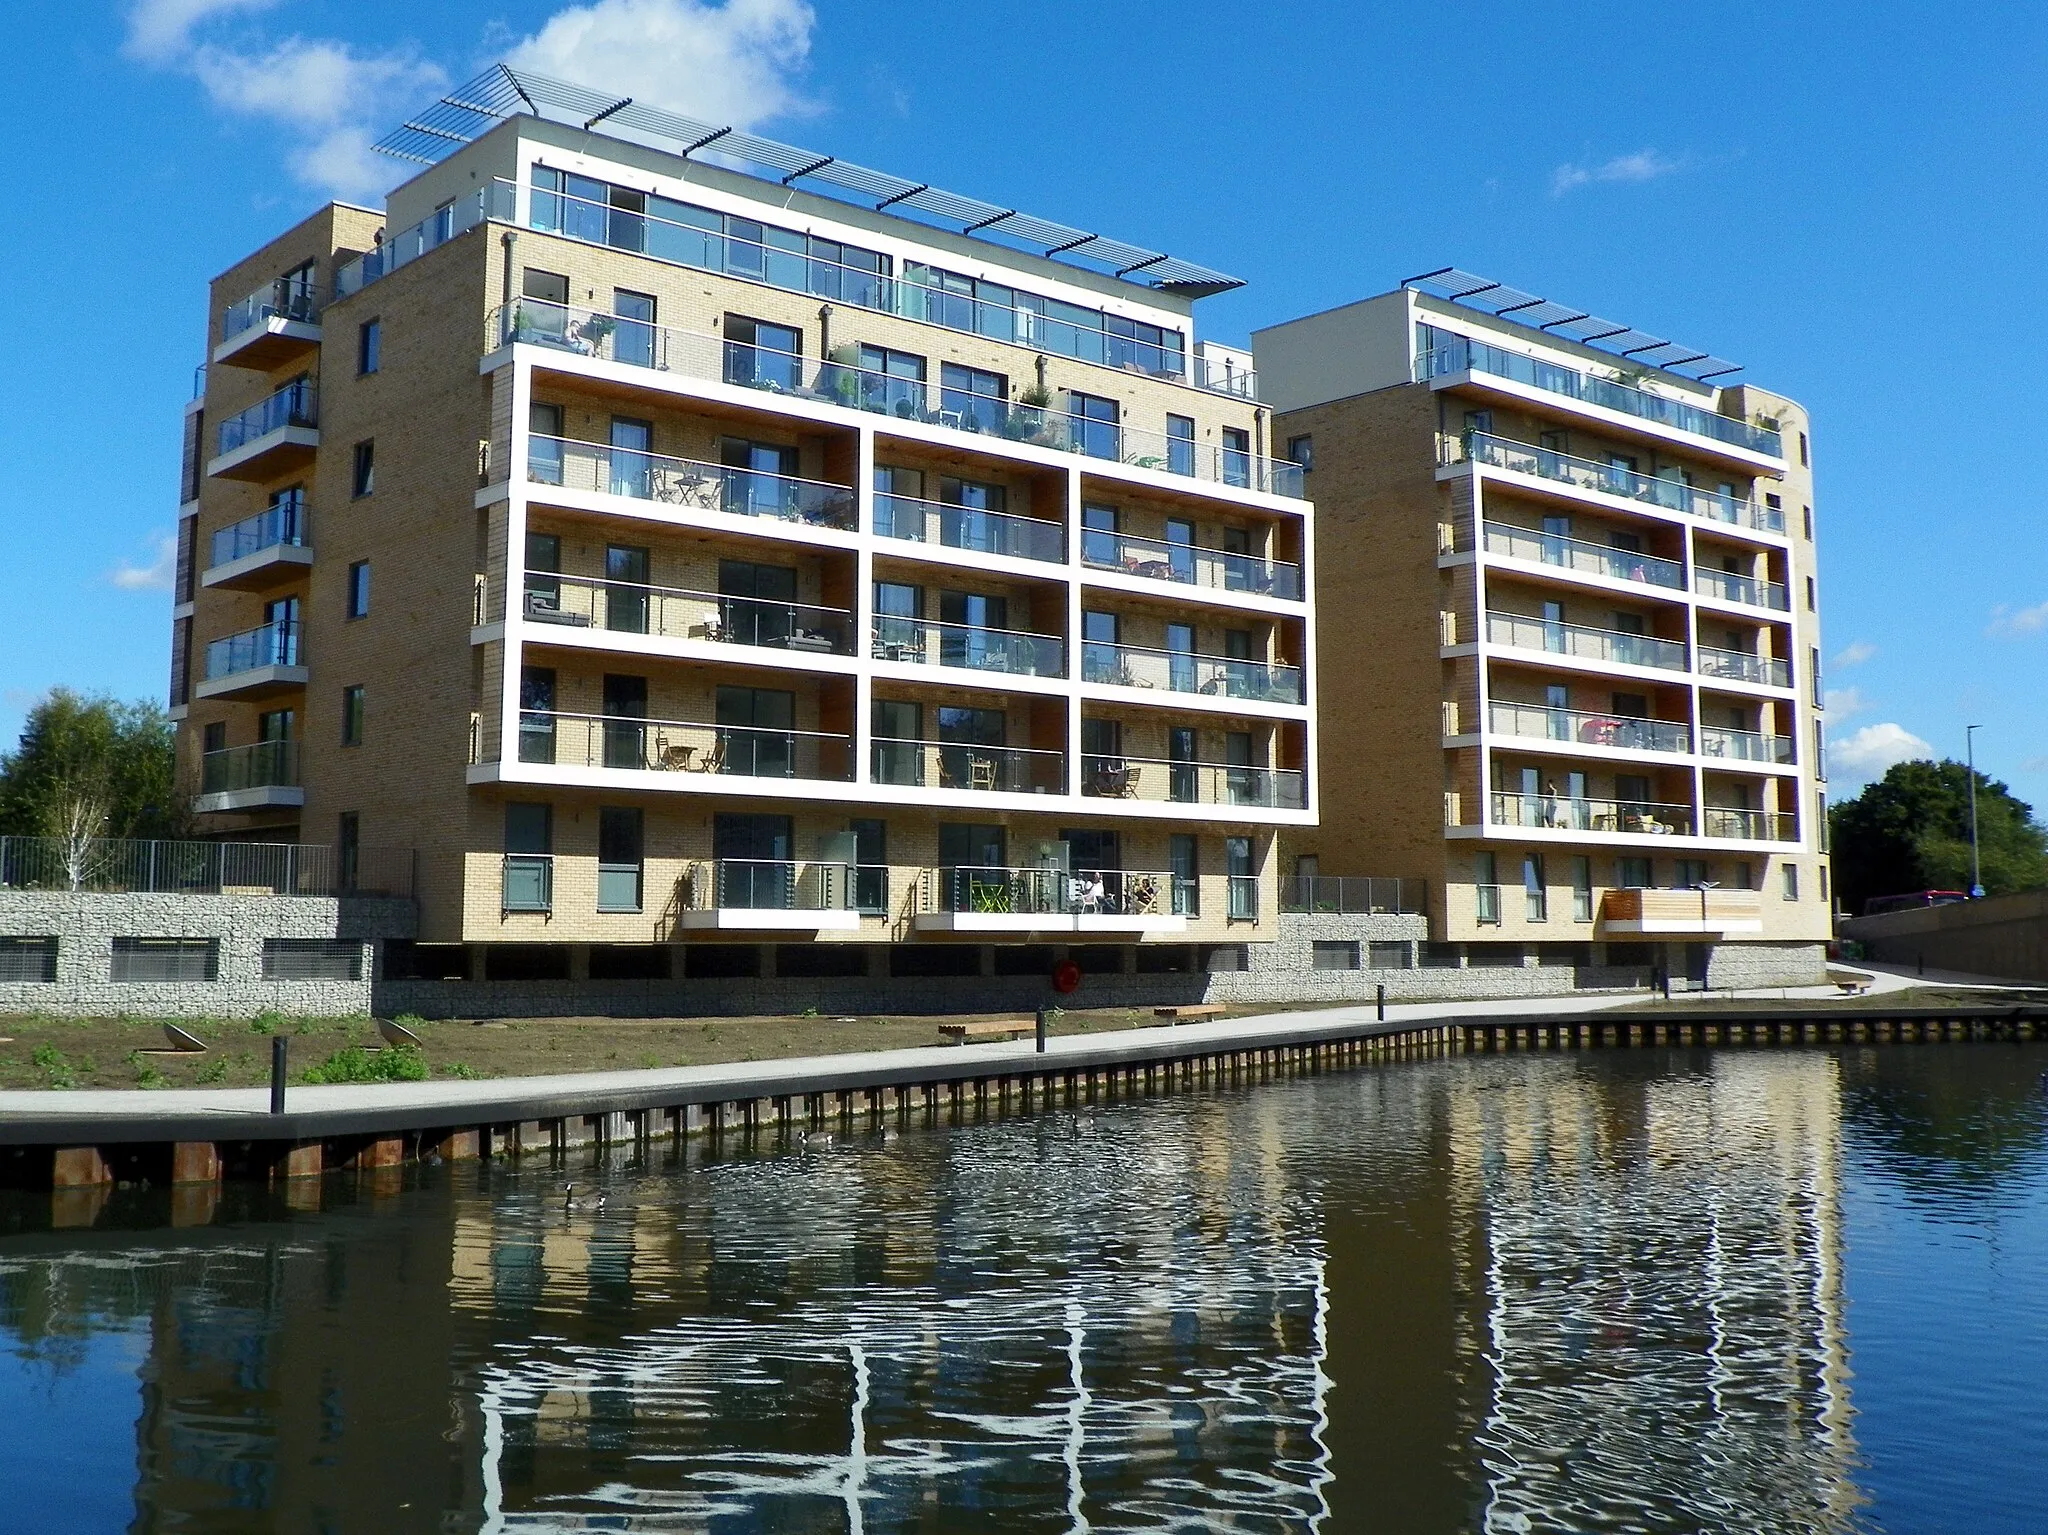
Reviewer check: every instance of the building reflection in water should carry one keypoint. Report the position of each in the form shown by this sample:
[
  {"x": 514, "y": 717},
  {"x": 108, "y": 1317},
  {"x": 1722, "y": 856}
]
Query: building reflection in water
[{"x": 1509, "y": 1294}]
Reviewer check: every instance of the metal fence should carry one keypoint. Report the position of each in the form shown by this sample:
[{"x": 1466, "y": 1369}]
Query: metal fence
[
  {"x": 114, "y": 865},
  {"x": 1353, "y": 895}
]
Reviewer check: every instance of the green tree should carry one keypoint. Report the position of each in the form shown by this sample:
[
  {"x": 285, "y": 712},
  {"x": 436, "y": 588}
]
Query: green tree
[
  {"x": 1911, "y": 831},
  {"x": 91, "y": 767}
]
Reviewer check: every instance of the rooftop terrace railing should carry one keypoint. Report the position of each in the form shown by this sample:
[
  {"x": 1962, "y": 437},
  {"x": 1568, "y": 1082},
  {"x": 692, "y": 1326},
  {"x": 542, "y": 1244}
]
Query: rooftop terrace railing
[
  {"x": 1466, "y": 354},
  {"x": 495, "y": 200},
  {"x": 116, "y": 865}
]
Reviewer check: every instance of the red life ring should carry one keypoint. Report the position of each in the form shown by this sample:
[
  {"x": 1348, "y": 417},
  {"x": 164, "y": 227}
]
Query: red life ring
[{"x": 1066, "y": 977}]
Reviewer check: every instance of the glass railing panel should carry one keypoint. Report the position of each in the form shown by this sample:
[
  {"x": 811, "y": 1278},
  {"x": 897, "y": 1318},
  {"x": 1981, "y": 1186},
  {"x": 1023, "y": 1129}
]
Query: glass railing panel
[
  {"x": 1615, "y": 480},
  {"x": 594, "y": 466},
  {"x": 1577, "y": 554},
  {"x": 1626, "y": 732},
  {"x": 274, "y": 527},
  {"x": 1744, "y": 589},
  {"x": 627, "y": 607},
  {"x": 1559, "y": 812},
  {"x": 1187, "y": 782},
  {"x": 1744, "y": 666},
  {"x": 997, "y": 891},
  {"x": 949, "y": 765},
  {"x": 1158, "y": 559},
  {"x": 1133, "y": 666},
  {"x": 631, "y": 743},
  {"x": 924, "y": 642},
  {"x": 261, "y": 765},
  {"x": 968, "y": 528},
  {"x": 297, "y": 404},
  {"x": 284, "y": 298},
  {"x": 1554, "y": 378},
  {"x": 1745, "y": 745},
  {"x": 1349, "y": 895},
  {"x": 1749, "y": 825},
  {"x": 527, "y": 882},
  {"x": 496, "y": 200},
  {"x": 1527, "y": 633},
  {"x": 275, "y": 644}
]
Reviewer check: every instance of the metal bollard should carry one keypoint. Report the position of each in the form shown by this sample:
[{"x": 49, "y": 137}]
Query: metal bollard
[
  {"x": 1041, "y": 1031},
  {"x": 278, "y": 1048},
  {"x": 1382, "y": 990}
]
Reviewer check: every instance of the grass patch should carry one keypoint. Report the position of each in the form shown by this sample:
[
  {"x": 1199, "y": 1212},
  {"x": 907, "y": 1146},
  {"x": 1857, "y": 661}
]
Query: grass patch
[{"x": 57, "y": 1071}]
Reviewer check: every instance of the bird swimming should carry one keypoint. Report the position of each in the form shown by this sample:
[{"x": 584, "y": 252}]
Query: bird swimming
[{"x": 571, "y": 1200}]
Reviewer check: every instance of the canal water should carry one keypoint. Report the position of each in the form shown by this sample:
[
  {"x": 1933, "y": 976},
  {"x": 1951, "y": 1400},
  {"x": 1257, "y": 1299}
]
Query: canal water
[{"x": 1798, "y": 1291}]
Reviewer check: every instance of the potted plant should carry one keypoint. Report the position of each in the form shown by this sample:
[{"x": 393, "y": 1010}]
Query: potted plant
[{"x": 595, "y": 329}]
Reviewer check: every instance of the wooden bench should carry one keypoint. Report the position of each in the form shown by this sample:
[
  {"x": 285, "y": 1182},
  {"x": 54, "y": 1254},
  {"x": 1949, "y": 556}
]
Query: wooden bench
[
  {"x": 994, "y": 1028},
  {"x": 1850, "y": 985},
  {"x": 1191, "y": 1010}
]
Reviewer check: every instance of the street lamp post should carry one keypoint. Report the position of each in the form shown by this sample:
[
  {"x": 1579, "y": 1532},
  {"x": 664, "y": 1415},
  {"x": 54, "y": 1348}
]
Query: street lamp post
[{"x": 1970, "y": 751}]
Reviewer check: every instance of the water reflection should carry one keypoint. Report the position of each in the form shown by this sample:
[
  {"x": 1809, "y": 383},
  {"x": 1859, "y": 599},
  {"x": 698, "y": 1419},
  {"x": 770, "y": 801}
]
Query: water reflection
[{"x": 1567, "y": 1293}]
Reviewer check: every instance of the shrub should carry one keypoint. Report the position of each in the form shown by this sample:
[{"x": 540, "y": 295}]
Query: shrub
[
  {"x": 399, "y": 1063},
  {"x": 56, "y": 1070}
]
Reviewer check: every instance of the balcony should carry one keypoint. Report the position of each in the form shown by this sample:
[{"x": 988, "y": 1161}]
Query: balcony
[
  {"x": 1746, "y": 745},
  {"x": 1520, "y": 632},
  {"x": 261, "y": 551},
  {"x": 1744, "y": 666},
  {"x": 1185, "y": 671},
  {"x": 977, "y": 769},
  {"x": 255, "y": 777},
  {"x": 1469, "y": 356},
  {"x": 968, "y": 647},
  {"x": 841, "y": 381},
  {"x": 256, "y": 663},
  {"x": 688, "y": 485},
  {"x": 773, "y": 895},
  {"x": 690, "y": 750},
  {"x": 1585, "y": 558},
  {"x": 995, "y": 900},
  {"x": 1738, "y": 825},
  {"x": 969, "y": 529},
  {"x": 527, "y": 883},
  {"x": 1670, "y": 495},
  {"x": 273, "y": 325},
  {"x": 626, "y": 607},
  {"x": 1151, "y": 780},
  {"x": 270, "y": 438},
  {"x": 1556, "y": 812},
  {"x": 1621, "y": 732},
  {"x": 1354, "y": 895},
  {"x": 497, "y": 200},
  {"x": 1746, "y": 590},
  {"x": 1158, "y": 559},
  {"x": 1682, "y": 911}
]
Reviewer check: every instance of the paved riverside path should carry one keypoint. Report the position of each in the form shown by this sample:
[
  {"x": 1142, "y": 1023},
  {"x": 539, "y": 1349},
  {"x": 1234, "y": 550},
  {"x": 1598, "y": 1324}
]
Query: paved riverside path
[{"x": 244, "y": 1112}]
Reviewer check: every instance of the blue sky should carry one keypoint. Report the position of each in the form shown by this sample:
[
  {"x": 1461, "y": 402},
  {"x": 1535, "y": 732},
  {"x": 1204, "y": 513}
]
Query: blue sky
[{"x": 1820, "y": 192}]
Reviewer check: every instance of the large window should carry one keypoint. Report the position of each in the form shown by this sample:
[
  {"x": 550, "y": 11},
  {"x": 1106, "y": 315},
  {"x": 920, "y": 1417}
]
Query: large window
[
  {"x": 1092, "y": 418},
  {"x": 1184, "y": 863},
  {"x": 620, "y": 854},
  {"x": 993, "y": 309},
  {"x": 755, "y": 732},
  {"x": 972, "y": 398},
  {"x": 1244, "y": 878},
  {"x": 536, "y": 714},
  {"x": 529, "y": 878},
  {"x": 892, "y": 382},
  {"x": 763, "y": 356}
]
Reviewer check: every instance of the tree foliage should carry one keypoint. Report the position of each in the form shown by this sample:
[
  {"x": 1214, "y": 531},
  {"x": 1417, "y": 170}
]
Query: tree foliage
[
  {"x": 90, "y": 767},
  {"x": 1911, "y": 831}
]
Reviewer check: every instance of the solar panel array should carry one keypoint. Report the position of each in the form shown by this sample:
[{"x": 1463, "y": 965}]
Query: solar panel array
[
  {"x": 472, "y": 110},
  {"x": 1490, "y": 297}
]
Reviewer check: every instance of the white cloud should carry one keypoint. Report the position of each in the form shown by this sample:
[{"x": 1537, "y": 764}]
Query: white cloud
[
  {"x": 1845, "y": 702},
  {"x": 1642, "y": 165},
  {"x": 735, "y": 63},
  {"x": 2013, "y": 624},
  {"x": 1854, "y": 655},
  {"x": 1863, "y": 755},
  {"x": 160, "y": 31},
  {"x": 155, "y": 576},
  {"x": 326, "y": 91}
]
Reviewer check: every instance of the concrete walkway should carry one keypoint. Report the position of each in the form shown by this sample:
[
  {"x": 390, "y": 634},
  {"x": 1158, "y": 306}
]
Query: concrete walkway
[{"x": 515, "y": 1097}]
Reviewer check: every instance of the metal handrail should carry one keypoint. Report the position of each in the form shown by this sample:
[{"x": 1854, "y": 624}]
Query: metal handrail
[
  {"x": 1614, "y": 480},
  {"x": 259, "y": 765},
  {"x": 1623, "y": 731},
  {"x": 932, "y": 642},
  {"x": 1750, "y": 825},
  {"x": 1159, "y": 559},
  {"x": 1189, "y": 782},
  {"x": 975, "y": 529},
  {"x": 637, "y": 743},
  {"x": 282, "y": 298},
  {"x": 297, "y": 404},
  {"x": 1555, "y": 637},
  {"x": 1581, "y": 554},
  {"x": 998, "y": 890},
  {"x": 1564, "y": 812},
  {"x": 1188, "y": 671},
  {"x": 1744, "y": 666},
  {"x": 570, "y": 463},
  {"x": 635, "y": 607},
  {"x": 281, "y": 525},
  {"x": 271, "y": 644},
  {"x": 1745, "y": 745},
  {"x": 960, "y": 765},
  {"x": 1748, "y": 590},
  {"x": 202, "y": 868}
]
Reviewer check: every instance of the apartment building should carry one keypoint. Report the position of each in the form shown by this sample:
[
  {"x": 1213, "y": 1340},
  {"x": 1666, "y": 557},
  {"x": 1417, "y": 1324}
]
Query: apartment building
[
  {"x": 700, "y": 556},
  {"x": 1567, "y": 583}
]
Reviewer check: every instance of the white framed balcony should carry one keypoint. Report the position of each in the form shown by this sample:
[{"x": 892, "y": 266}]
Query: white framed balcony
[
  {"x": 1573, "y": 814},
  {"x": 1743, "y": 666},
  {"x": 1584, "y": 643},
  {"x": 1747, "y": 746},
  {"x": 999, "y": 901},
  {"x": 686, "y": 490},
  {"x": 560, "y": 746},
  {"x": 1004, "y": 653},
  {"x": 1604, "y": 732},
  {"x": 1141, "y": 781},
  {"x": 1545, "y": 553},
  {"x": 1191, "y": 673},
  {"x": 1191, "y": 565},
  {"x": 1742, "y": 591},
  {"x": 961, "y": 766},
  {"x": 978, "y": 534},
  {"x": 1549, "y": 471},
  {"x": 583, "y": 610}
]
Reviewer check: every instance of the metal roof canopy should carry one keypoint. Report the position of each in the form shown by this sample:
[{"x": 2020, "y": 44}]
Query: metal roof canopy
[
  {"x": 1503, "y": 302},
  {"x": 470, "y": 111}
]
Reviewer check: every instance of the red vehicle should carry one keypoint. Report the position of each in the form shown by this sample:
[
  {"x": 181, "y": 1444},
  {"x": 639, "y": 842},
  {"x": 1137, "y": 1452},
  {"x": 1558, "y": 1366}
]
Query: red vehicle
[{"x": 1878, "y": 905}]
